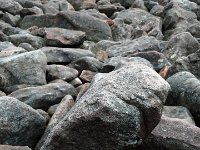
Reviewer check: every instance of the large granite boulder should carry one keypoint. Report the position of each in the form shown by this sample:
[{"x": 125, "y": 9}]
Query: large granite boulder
[{"x": 117, "y": 111}]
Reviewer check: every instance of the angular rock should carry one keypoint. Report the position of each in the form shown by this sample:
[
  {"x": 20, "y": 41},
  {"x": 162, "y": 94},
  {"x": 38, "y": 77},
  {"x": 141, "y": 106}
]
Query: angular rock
[
  {"x": 61, "y": 72},
  {"x": 185, "y": 92},
  {"x": 119, "y": 107},
  {"x": 83, "y": 4},
  {"x": 63, "y": 37},
  {"x": 52, "y": 109},
  {"x": 26, "y": 68},
  {"x": 179, "y": 112},
  {"x": 62, "y": 109},
  {"x": 42, "y": 97},
  {"x": 10, "y": 6},
  {"x": 76, "y": 82},
  {"x": 26, "y": 46},
  {"x": 157, "y": 59},
  {"x": 142, "y": 44},
  {"x": 81, "y": 90},
  {"x": 11, "y": 19},
  {"x": 180, "y": 45},
  {"x": 143, "y": 20},
  {"x": 64, "y": 55},
  {"x": 2, "y": 94},
  {"x": 86, "y": 63},
  {"x": 95, "y": 28},
  {"x": 35, "y": 41},
  {"x": 125, "y": 3},
  {"x": 87, "y": 76},
  {"x": 31, "y": 11},
  {"x": 173, "y": 134},
  {"x": 4, "y": 45},
  {"x": 9, "y": 147},
  {"x": 17, "y": 120},
  {"x": 12, "y": 51}
]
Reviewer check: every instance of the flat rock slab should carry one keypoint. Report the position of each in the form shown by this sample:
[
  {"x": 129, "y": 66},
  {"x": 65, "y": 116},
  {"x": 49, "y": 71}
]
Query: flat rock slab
[
  {"x": 64, "y": 55},
  {"x": 42, "y": 97},
  {"x": 63, "y": 37},
  {"x": 95, "y": 28}
]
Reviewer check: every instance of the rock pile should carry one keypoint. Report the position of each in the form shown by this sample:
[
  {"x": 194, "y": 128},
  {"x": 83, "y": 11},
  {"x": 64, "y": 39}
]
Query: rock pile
[{"x": 99, "y": 74}]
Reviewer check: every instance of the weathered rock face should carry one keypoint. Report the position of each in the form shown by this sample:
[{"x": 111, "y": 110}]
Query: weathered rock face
[
  {"x": 143, "y": 20},
  {"x": 180, "y": 45},
  {"x": 26, "y": 68},
  {"x": 6, "y": 147},
  {"x": 42, "y": 97},
  {"x": 10, "y": 6},
  {"x": 185, "y": 92},
  {"x": 95, "y": 29},
  {"x": 61, "y": 72},
  {"x": 118, "y": 107},
  {"x": 83, "y": 4},
  {"x": 63, "y": 37},
  {"x": 142, "y": 44},
  {"x": 173, "y": 134},
  {"x": 17, "y": 122},
  {"x": 179, "y": 112}
]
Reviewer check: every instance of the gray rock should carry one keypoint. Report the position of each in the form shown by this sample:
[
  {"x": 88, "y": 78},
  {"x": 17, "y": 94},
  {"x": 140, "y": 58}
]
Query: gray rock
[
  {"x": 17, "y": 120},
  {"x": 194, "y": 29},
  {"x": 26, "y": 46},
  {"x": 2, "y": 94},
  {"x": 95, "y": 28},
  {"x": 63, "y": 37},
  {"x": 76, "y": 82},
  {"x": 12, "y": 51},
  {"x": 119, "y": 108},
  {"x": 11, "y": 19},
  {"x": 186, "y": 4},
  {"x": 10, "y": 6},
  {"x": 86, "y": 63},
  {"x": 26, "y": 68},
  {"x": 142, "y": 44},
  {"x": 44, "y": 114},
  {"x": 4, "y": 45},
  {"x": 117, "y": 62},
  {"x": 83, "y": 4},
  {"x": 179, "y": 112},
  {"x": 122, "y": 31},
  {"x": 31, "y": 11},
  {"x": 60, "y": 5},
  {"x": 61, "y": 72},
  {"x": 157, "y": 10},
  {"x": 180, "y": 45},
  {"x": 35, "y": 41},
  {"x": 52, "y": 109},
  {"x": 62, "y": 109},
  {"x": 42, "y": 97},
  {"x": 87, "y": 75},
  {"x": 81, "y": 90},
  {"x": 157, "y": 59},
  {"x": 189, "y": 63},
  {"x": 143, "y": 20},
  {"x": 9, "y": 147},
  {"x": 64, "y": 55},
  {"x": 125, "y": 3},
  {"x": 185, "y": 92},
  {"x": 173, "y": 134}
]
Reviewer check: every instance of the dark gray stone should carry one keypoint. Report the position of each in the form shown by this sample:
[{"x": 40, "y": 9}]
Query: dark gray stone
[
  {"x": 42, "y": 97},
  {"x": 61, "y": 72},
  {"x": 20, "y": 124},
  {"x": 185, "y": 92},
  {"x": 26, "y": 68},
  {"x": 95, "y": 28}
]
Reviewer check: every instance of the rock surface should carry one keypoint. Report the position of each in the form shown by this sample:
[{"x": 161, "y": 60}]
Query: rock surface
[{"x": 102, "y": 109}]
